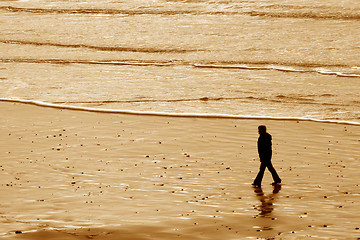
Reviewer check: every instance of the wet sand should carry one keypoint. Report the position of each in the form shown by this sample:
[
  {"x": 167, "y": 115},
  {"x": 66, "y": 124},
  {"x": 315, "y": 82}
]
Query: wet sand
[{"x": 84, "y": 175}]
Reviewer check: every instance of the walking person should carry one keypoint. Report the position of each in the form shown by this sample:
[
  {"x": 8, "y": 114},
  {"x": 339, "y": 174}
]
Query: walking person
[{"x": 265, "y": 153}]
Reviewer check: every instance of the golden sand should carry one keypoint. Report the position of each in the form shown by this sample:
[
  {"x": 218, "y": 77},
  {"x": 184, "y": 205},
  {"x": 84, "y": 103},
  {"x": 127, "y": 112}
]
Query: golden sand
[{"x": 85, "y": 175}]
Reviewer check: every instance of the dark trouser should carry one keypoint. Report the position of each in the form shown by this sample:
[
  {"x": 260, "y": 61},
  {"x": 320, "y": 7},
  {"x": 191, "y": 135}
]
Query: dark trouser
[{"x": 263, "y": 166}]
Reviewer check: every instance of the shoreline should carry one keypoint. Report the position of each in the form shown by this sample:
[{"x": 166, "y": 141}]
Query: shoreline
[
  {"x": 166, "y": 114},
  {"x": 79, "y": 175}
]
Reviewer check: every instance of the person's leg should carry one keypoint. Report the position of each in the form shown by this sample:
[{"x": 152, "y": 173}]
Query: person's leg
[
  {"x": 260, "y": 175},
  {"x": 273, "y": 173}
]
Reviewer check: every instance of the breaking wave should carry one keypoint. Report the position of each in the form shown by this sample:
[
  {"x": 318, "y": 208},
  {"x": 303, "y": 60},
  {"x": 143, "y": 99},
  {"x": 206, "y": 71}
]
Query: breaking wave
[{"x": 272, "y": 11}]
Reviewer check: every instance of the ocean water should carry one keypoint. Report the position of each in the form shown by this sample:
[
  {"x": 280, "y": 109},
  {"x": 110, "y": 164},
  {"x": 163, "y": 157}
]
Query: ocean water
[{"x": 265, "y": 58}]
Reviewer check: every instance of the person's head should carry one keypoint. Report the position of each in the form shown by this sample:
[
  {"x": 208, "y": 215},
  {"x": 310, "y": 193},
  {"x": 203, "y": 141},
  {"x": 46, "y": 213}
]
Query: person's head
[{"x": 262, "y": 129}]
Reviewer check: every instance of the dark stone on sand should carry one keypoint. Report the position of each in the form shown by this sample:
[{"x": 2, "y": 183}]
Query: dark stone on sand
[{"x": 18, "y": 232}]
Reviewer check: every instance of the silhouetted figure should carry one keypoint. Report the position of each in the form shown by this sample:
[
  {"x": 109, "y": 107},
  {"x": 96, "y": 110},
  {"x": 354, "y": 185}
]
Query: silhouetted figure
[{"x": 265, "y": 153}]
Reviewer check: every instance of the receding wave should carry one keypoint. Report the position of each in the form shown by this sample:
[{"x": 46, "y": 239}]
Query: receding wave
[
  {"x": 101, "y": 48},
  {"x": 205, "y": 99},
  {"x": 269, "y": 66},
  {"x": 92, "y": 62},
  {"x": 298, "y": 99},
  {"x": 149, "y": 113}
]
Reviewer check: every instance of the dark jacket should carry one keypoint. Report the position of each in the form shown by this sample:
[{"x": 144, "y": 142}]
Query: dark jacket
[{"x": 264, "y": 147}]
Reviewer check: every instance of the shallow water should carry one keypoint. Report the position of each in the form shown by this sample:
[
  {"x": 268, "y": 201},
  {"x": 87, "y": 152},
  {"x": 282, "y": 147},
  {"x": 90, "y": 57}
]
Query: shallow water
[{"x": 263, "y": 58}]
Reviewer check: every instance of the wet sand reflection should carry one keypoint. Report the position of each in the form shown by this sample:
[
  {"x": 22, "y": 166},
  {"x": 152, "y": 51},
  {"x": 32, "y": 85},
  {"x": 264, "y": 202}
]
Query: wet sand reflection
[{"x": 266, "y": 206}]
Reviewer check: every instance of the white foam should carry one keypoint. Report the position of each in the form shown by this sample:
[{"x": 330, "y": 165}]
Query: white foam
[
  {"x": 339, "y": 74},
  {"x": 166, "y": 114},
  {"x": 278, "y": 68}
]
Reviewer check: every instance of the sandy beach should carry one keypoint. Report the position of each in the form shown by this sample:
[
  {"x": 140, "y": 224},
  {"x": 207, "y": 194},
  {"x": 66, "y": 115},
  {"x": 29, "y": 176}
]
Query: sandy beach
[{"x": 69, "y": 174}]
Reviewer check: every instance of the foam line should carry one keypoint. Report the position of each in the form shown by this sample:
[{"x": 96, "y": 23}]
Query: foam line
[
  {"x": 278, "y": 68},
  {"x": 246, "y": 66},
  {"x": 339, "y": 74},
  {"x": 165, "y": 114}
]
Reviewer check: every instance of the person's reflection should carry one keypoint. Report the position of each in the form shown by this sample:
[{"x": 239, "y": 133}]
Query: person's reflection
[{"x": 266, "y": 207}]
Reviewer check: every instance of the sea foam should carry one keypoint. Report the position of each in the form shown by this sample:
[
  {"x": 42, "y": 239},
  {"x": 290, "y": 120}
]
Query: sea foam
[{"x": 172, "y": 114}]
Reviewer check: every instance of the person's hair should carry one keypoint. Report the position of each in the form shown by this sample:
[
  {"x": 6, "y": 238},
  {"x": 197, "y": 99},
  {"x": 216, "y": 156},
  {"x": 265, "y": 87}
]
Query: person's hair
[{"x": 262, "y": 128}]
